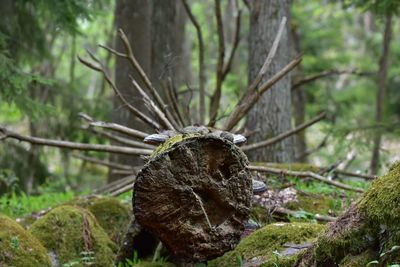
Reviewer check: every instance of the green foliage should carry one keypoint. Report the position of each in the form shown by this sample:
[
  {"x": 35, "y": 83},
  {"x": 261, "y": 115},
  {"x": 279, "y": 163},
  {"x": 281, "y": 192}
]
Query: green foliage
[
  {"x": 18, "y": 205},
  {"x": 381, "y": 7}
]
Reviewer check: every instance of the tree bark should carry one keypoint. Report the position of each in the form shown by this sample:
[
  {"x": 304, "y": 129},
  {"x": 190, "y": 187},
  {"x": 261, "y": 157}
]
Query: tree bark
[
  {"x": 380, "y": 99},
  {"x": 272, "y": 114}
]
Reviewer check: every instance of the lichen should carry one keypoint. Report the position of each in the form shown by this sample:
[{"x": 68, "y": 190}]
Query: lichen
[
  {"x": 69, "y": 231},
  {"x": 266, "y": 245},
  {"x": 112, "y": 215},
  {"x": 20, "y": 248}
]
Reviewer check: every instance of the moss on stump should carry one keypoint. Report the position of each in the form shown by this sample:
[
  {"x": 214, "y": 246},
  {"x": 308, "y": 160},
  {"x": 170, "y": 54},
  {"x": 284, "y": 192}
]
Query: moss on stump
[
  {"x": 265, "y": 247},
  {"x": 369, "y": 227},
  {"x": 70, "y": 233},
  {"x": 19, "y": 248}
]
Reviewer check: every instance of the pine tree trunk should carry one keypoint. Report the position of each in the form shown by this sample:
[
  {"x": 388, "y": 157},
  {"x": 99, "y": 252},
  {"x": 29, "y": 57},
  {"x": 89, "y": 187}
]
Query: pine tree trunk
[{"x": 272, "y": 114}]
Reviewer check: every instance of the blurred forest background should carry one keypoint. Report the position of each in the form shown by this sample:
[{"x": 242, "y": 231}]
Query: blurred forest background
[{"x": 44, "y": 87}]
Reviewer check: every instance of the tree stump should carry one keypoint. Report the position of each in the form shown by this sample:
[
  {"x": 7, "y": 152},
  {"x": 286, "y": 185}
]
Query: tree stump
[{"x": 195, "y": 196}]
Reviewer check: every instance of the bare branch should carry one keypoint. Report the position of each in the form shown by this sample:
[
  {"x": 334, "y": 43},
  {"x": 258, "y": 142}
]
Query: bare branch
[
  {"x": 250, "y": 98},
  {"x": 107, "y": 77},
  {"x": 304, "y": 175},
  {"x": 152, "y": 106},
  {"x": 119, "y": 139},
  {"x": 112, "y": 165},
  {"x": 202, "y": 75},
  {"x": 172, "y": 98},
  {"x": 73, "y": 145},
  {"x": 114, "y": 126},
  {"x": 284, "y": 135},
  {"x": 328, "y": 73},
  {"x": 115, "y": 185},
  {"x": 136, "y": 66}
]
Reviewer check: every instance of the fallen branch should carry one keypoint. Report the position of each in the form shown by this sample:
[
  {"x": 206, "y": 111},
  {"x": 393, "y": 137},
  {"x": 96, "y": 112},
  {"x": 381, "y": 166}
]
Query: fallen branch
[
  {"x": 119, "y": 139},
  {"x": 304, "y": 175},
  {"x": 112, "y": 165},
  {"x": 114, "y": 185},
  {"x": 72, "y": 145},
  {"x": 202, "y": 74},
  {"x": 284, "y": 135}
]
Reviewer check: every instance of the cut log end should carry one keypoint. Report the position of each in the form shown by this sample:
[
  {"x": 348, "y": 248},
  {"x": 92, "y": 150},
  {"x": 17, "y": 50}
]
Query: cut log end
[{"x": 195, "y": 197}]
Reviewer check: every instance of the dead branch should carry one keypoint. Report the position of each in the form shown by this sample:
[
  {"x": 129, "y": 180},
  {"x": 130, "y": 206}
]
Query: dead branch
[
  {"x": 112, "y": 165},
  {"x": 173, "y": 100},
  {"x": 250, "y": 98},
  {"x": 107, "y": 77},
  {"x": 304, "y": 175},
  {"x": 353, "y": 174},
  {"x": 236, "y": 39},
  {"x": 152, "y": 106},
  {"x": 328, "y": 73},
  {"x": 114, "y": 126},
  {"x": 216, "y": 97},
  {"x": 114, "y": 185},
  {"x": 72, "y": 145},
  {"x": 315, "y": 149},
  {"x": 284, "y": 135},
  {"x": 119, "y": 139},
  {"x": 136, "y": 66},
  {"x": 202, "y": 74}
]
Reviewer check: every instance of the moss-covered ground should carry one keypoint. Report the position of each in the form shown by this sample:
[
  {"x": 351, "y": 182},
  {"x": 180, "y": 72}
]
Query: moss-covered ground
[
  {"x": 266, "y": 245},
  {"x": 20, "y": 248}
]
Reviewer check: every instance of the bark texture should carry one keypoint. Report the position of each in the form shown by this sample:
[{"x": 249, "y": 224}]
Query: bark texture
[
  {"x": 195, "y": 197},
  {"x": 272, "y": 113}
]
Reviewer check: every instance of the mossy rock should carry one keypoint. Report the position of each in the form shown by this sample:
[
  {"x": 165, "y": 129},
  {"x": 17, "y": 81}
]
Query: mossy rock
[
  {"x": 361, "y": 259},
  {"x": 112, "y": 215},
  {"x": 70, "y": 231},
  {"x": 264, "y": 246},
  {"x": 19, "y": 248}
]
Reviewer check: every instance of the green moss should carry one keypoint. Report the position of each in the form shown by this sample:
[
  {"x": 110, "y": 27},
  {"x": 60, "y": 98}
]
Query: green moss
[
  {"x": 381, "y": 203},
  {"x": 361, "y": 259},
  {"x": 315, "y": 203},
  {"x": 20, "y": 248},
  {"x": 62, "y": 232},
  {"x": 262, "y": 244},
  {"x": 112, "y": 215}
]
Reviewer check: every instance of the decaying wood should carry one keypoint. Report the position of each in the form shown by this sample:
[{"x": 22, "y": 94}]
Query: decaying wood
[{"x": 195, "y": 197}]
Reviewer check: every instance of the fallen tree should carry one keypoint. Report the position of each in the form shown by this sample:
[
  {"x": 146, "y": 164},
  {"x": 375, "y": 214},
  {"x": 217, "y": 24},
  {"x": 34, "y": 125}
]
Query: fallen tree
[{"x": 368, "y": 231}]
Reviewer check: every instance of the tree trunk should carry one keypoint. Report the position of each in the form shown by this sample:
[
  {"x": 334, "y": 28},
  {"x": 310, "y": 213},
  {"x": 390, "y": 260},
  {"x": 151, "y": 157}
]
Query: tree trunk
[
  {"x": 380, "y": 99},
  {"x": 155, "y": 30},
  {"x": 195, "y": 196},
  {"x": 272, "y": 113}
]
